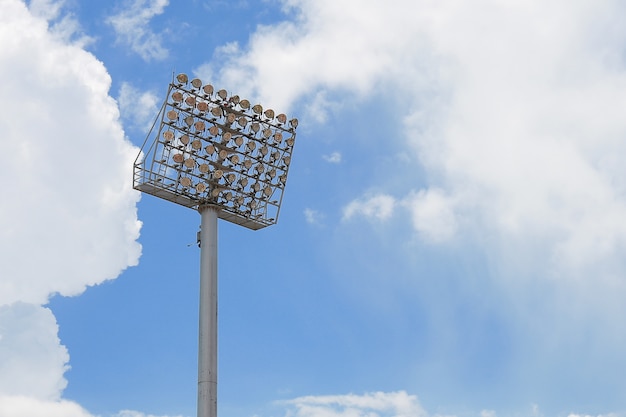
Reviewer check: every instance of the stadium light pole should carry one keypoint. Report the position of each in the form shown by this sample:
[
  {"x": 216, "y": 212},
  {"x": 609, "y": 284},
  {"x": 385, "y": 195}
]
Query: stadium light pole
[{"x": 218, "y": 154}]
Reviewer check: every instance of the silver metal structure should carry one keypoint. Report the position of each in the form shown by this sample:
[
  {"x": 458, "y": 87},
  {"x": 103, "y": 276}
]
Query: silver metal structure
[{"x": 218, "y": 154}]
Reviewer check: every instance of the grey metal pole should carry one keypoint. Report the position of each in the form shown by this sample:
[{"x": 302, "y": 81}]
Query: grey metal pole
[{"x": 207, "y": 344}]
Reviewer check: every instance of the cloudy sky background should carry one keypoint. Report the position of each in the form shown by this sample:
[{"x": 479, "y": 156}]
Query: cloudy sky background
[{"x": 451, "y": 240}]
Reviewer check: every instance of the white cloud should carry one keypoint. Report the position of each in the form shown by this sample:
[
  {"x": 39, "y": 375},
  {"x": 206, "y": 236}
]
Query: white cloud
[
  {"x": 377, "y": 404},
  {"x": 33, "y": 360},
  {"x": 512, "y": 109},
  {"x": 132, "y": 413},
  {"x": 69, "y": 217},
  {"x": 24, "y": 406},
  {"x": 378, "y": 206},
  {"x": 313, "y": 216},
  {"x": 433, "y": 215},
  {"x": 138, "y": 107},
  {"x": 74, "y": 223},
  {"x": 132, "y": 28},
  {"x": 61, "y": 24},
  {"x": 333, "y": 158}
]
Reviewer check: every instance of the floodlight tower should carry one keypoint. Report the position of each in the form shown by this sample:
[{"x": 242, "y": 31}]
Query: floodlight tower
[{"x": 218, "y": 154}]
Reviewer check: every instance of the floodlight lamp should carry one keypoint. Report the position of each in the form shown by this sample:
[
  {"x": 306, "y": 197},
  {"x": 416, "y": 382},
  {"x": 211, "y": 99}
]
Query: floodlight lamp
[
  {"x": 203, "y": 168},
  {"x": 244, "y": 104},
  {"x": 208, "y": 89},
  {"x": 201, "y": 187},
  {"x": 216, "y": 111},
  {"x": 230, "y": 118},
  {"x": 217, "y": 174},
  {"x": 214, "y": 130},
  {"x": 234, "y": 99},
  {"x": 293, "y": 123},
  {"x": 190, "y": 101},
  {"x": 199, "y": 125},
  {"x": 185, "y": 181},
  {"x": 196, "y": 145},
  {"x": 168, "y": 135},
  {"x": 257, "y": 108},
  {"x": 269, "y": 113},
  {"x": 172, "y": 115},
  {"x": 222, "y": 94},
  {"x": 210, "y": 149},
  {"x": 190, "y": 163},
  {"x": 178, "y": 158},
  {"x": 282, "y": 118},
  {"x": 255, "y": 127},
  {"x": 239, "y": 141},
  {"x": 177, "y": 96},
  {"x": 182, "y": 78},
  {"x": 242, "y": 121},
  {"x": 202, "y": 106},
  {"x": 184, "y": 139},
  {"x": 196, "y": 82}
]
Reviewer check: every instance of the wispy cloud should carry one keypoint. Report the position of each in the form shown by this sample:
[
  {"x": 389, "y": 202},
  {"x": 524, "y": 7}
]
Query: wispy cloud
[
  {"x": 378, "y": 206},
  {"x": 313, "y": 216},
  {"x": 132, "y": 26},
  {"x": 138, "y": 107},
  {"x": 383, "y": 404},
  {"x": 333, "y": 158}
]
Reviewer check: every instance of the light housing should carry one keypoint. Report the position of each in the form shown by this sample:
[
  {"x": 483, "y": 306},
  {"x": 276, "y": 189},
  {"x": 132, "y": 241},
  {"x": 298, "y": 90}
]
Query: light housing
[{"x": 203, "y": 150}]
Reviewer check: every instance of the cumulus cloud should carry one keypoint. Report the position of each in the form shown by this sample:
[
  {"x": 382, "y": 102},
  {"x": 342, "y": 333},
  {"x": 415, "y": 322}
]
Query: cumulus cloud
[
  {"x": 33, "y": 360},
  {"x": 69, "y": 214},
  {"x": 379, "y": 206},
  {"x": 24, "y": 406},
  {"x": 132, "y": 28},
  {"x": 74, "y": 223}
]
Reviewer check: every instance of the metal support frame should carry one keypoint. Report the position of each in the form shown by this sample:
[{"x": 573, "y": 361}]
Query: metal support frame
[{"x": 207, "y": 340}]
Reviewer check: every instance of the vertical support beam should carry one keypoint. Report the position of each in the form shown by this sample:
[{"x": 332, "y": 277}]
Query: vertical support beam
[{"x": 207, "y": 343}]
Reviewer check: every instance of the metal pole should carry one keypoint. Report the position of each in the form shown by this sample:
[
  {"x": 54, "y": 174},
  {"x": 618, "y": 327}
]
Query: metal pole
[{"x": 207, "y": 346}]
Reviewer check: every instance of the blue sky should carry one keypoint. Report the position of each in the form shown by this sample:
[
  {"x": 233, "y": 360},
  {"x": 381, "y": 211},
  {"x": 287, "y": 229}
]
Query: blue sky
[{"x": 452, "y": 235}]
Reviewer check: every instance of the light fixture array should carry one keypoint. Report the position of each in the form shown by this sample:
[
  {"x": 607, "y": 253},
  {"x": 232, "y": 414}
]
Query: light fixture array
[{"x": 216, "y": 148}]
